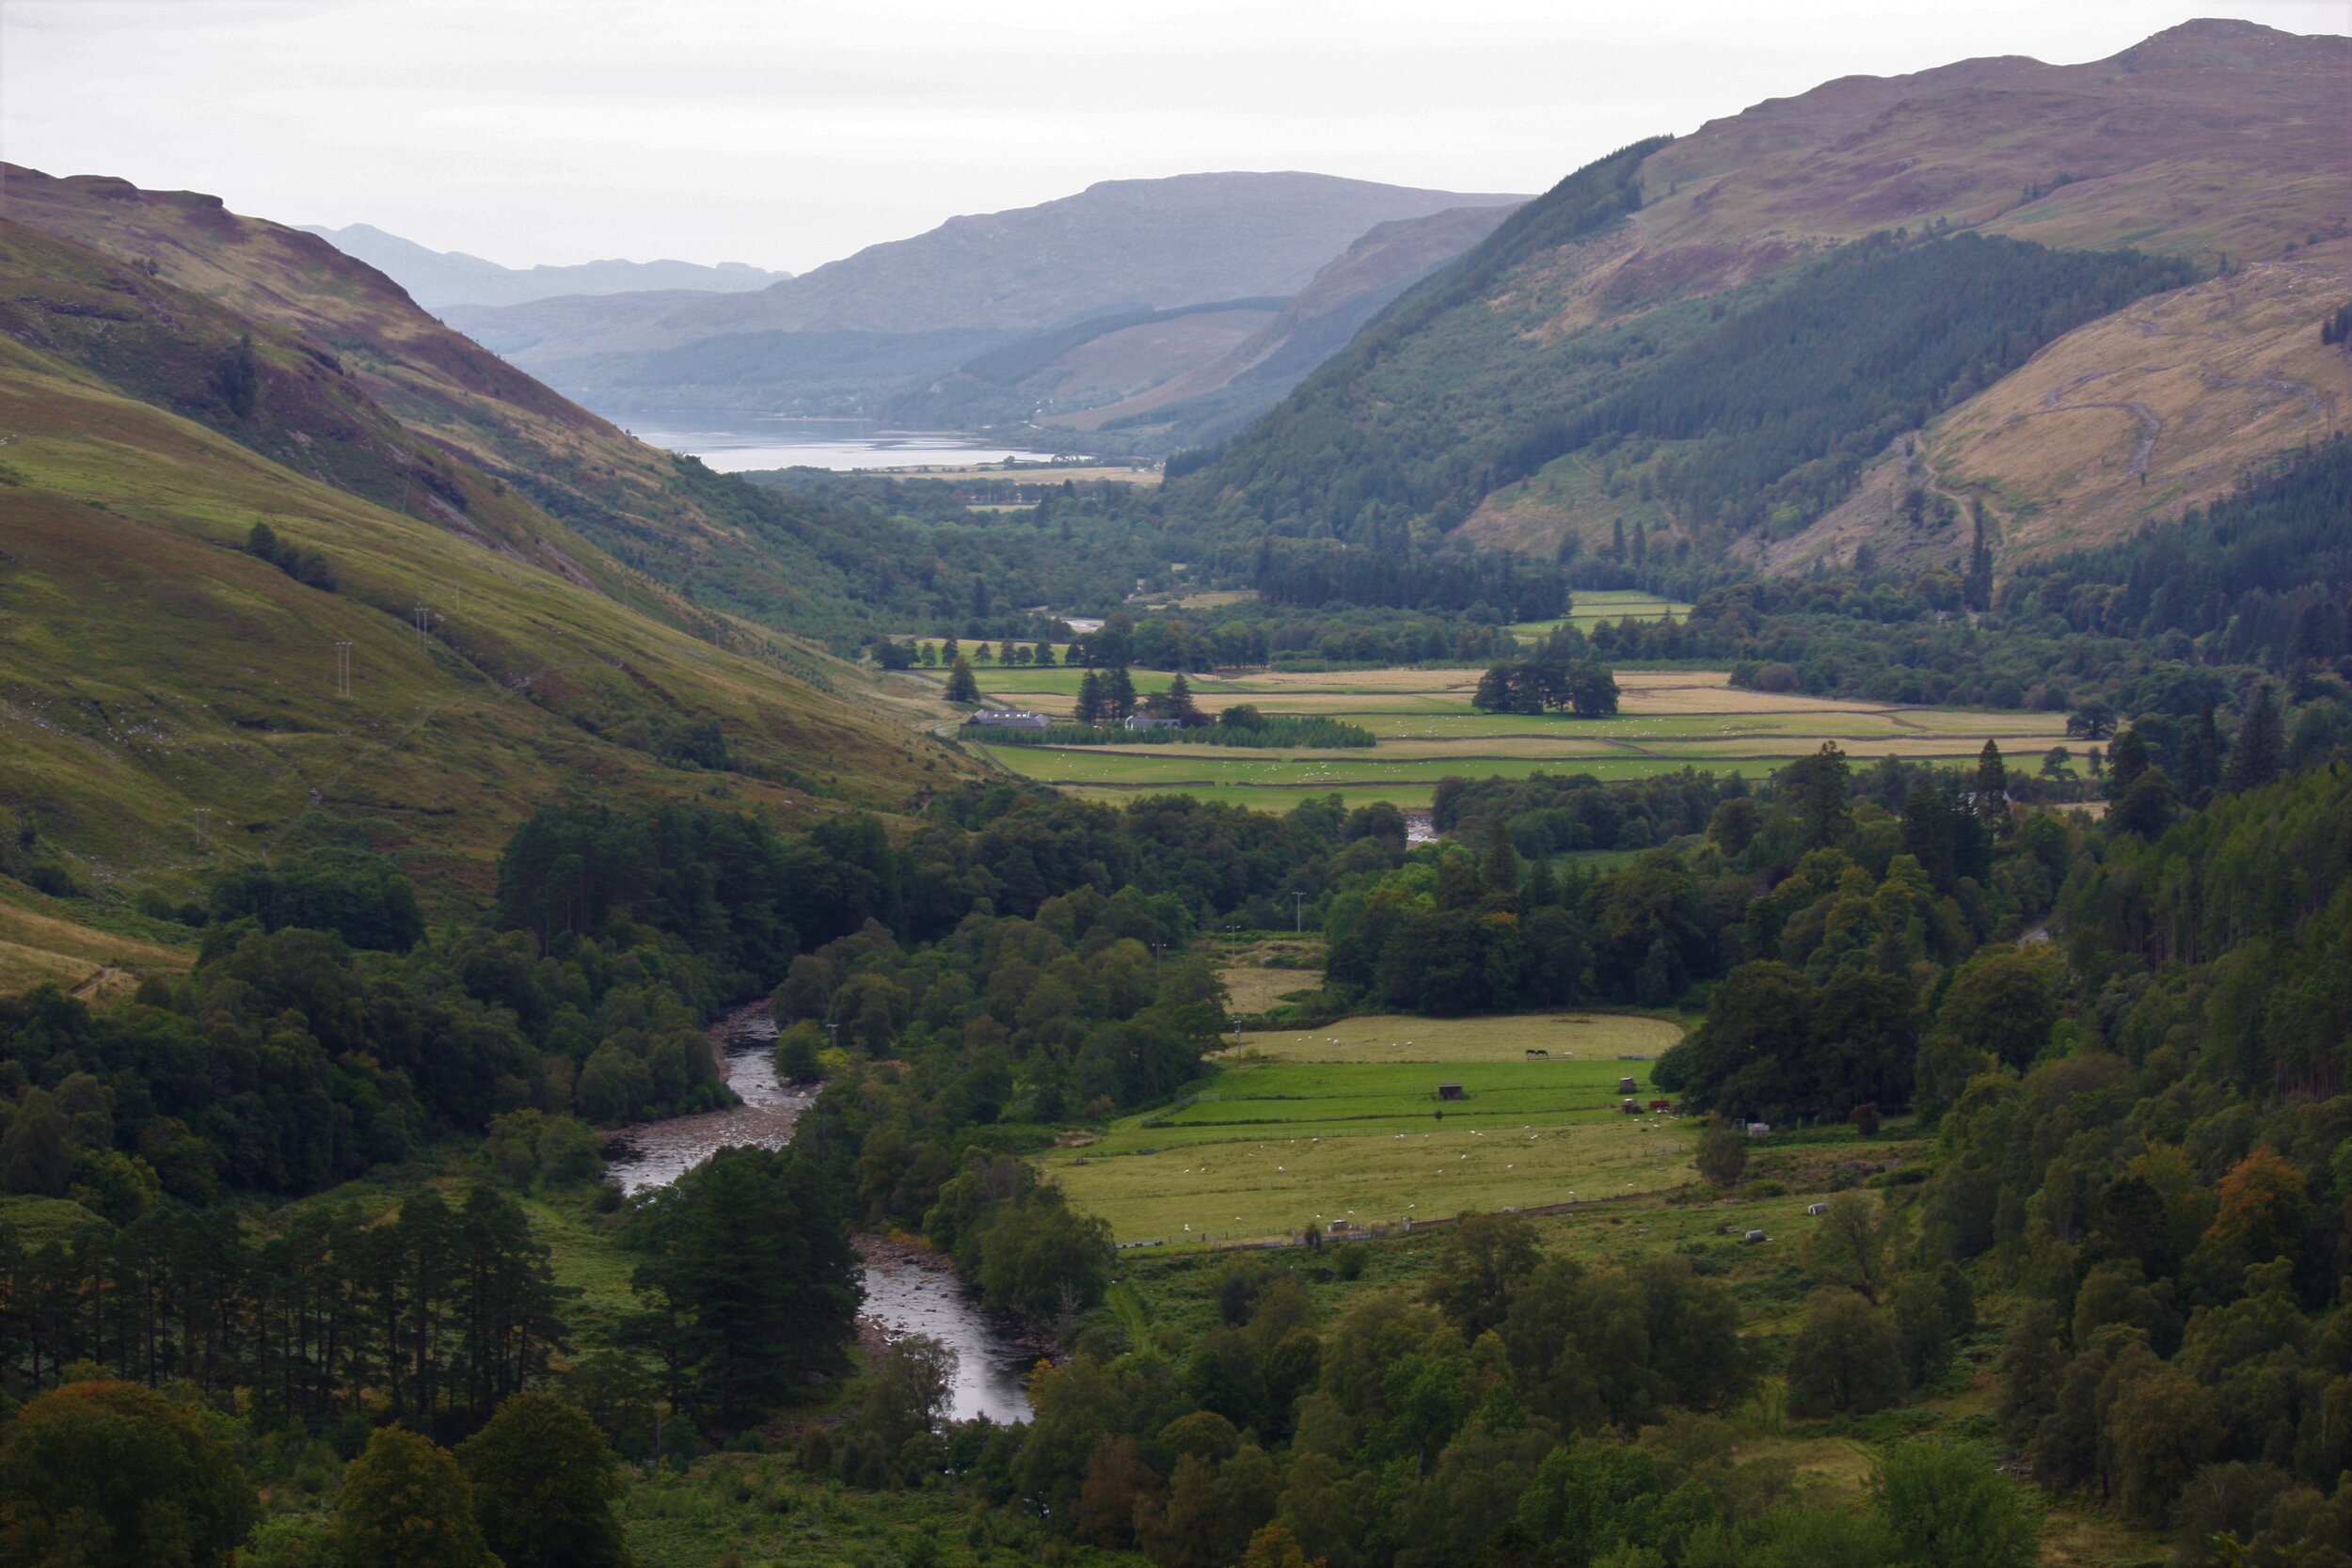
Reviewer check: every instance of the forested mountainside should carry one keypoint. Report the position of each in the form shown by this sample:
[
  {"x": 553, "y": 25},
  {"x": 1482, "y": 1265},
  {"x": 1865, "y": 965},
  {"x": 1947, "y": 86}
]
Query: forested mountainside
[
  {"x": 437, "y": 278},
  {"x": 1520, "y": 397},
  {"x": 849, "y": 336}
]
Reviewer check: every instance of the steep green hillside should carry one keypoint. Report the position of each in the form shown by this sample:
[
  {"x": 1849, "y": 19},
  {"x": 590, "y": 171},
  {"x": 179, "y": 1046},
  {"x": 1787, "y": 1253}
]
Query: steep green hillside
[
  {"x": 169, "y": 683},
  {"x": 1549, "y": 392},
  {"x": 728, "y": 546}
]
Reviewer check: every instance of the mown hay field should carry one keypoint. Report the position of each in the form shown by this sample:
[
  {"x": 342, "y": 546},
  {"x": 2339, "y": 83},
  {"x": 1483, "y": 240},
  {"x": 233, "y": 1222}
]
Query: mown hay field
[
  {"x": 1578, "y": 1037},
  {"x": 1426, "y": 730}
]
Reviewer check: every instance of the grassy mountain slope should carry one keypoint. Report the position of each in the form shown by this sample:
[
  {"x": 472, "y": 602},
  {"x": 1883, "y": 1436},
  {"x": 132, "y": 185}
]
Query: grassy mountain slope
[
  {"x": 152, "y": 667},
  {"x": 755, "y": 553},
  {"x": 167, "y": 689},
  {"x": 2133, "y": 418},
  {"x": 2213, "y": 142}
]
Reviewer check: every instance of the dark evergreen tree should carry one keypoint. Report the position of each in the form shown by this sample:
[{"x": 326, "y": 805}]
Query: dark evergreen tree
[
  {"x": 2200, "y": 758},
  {"x": 753, "y": 1273},
  {"x": 1976, "y": 587},
  {"x": 1990, "y": 794},
  {"x": 2127, "y": 759},
  {"x": 2257, "y": 751}
]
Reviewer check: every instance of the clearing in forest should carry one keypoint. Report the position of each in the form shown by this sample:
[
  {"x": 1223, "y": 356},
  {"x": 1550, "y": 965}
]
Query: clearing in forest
[{"x": 1350, "y": 1123}]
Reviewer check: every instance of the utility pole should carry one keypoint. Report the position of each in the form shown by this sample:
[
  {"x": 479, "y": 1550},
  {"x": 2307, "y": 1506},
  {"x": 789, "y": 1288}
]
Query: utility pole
[
  {"x": 1298, "y": 912},
  {"x": 834, "y": 1032},
  {"x": 342, "y": 668}
]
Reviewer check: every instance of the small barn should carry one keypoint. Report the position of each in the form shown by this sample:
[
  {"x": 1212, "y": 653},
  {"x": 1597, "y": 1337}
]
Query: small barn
[
  {"x": 1626, "y": 1086},
  {"x": 1450, "y": 1091}
]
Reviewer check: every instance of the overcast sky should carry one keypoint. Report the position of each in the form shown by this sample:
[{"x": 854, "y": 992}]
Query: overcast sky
[{"x": 786, "y": 132}]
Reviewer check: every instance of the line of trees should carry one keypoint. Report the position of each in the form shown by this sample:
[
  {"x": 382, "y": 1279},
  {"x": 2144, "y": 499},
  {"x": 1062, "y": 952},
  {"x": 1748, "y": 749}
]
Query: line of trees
[{"x": 430, "y": 1313}]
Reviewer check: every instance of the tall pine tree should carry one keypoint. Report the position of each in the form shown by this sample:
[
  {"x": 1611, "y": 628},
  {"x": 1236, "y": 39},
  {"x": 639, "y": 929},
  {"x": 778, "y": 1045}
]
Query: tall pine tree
[
  {"x": 1976, "y": 588},
  {"x": 2258, "y": 753}
]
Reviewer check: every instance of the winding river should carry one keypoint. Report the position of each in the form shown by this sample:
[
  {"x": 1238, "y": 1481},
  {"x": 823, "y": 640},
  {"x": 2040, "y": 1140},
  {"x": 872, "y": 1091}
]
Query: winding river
[{"x": 907, "y": 1290}]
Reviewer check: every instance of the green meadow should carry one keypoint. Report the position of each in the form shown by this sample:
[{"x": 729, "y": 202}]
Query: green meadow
[
  {"x": 1593, "y": 606},
  {"x": 1342, "y": 1123}
]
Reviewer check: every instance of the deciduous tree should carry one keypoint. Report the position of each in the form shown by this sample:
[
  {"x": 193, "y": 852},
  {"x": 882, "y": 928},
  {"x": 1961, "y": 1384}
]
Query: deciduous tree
[
  {"x": 544, "y": 1484},
  {"x": 113, "y": 1475}
]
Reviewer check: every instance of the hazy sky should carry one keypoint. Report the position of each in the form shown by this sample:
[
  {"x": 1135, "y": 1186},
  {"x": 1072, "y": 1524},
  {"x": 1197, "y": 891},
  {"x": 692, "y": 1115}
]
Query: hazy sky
[{"x": 786, "y": 133}]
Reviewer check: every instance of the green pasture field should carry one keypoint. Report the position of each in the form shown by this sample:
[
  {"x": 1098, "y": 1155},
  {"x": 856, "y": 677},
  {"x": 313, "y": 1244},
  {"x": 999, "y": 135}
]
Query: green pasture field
[
  {"x": 1592, "y": 606},
  {"x": 1345, "y": 1122},
  {"x": 1646, "y": 727},
  {"x": 997, "y": 681},
  {"x": 1327, "y": 1093},
  {"x": 1276, "y": 799},
  {"x": 1122, "y": 769},
  {"x": 1232, "y": 1183}
]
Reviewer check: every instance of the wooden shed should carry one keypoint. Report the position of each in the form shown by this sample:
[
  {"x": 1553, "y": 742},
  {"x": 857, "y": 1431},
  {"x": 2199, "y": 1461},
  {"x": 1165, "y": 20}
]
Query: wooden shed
[{"x": 1450, "y": 1091}]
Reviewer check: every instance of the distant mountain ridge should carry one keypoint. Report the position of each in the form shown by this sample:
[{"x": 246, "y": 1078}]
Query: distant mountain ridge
[
  {"x": 1134, "y": 379},
  {"x": 915, "y": 309},
  {"x": 439, "y": 279}
]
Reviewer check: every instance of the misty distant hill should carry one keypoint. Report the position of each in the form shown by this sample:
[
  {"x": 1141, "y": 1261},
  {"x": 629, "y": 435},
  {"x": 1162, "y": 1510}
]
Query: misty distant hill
[
  {"x": 919, "y": 308},
  {"x": 1168, "y": 378},
  {"x": 439, "y": 279}
]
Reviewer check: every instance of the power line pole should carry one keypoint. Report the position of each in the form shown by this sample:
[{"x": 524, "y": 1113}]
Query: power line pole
[{"x": 1298, "y": 913}]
